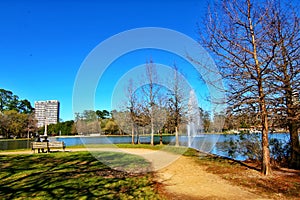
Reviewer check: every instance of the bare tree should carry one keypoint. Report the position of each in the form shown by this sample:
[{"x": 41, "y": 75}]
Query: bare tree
[
  {"x": 126, "y": 115},
  {"x": 87, "y": 122},
  {"x": 150, "y": 91},
  {"x": 177, "y": 102},
  {"x": 132, "y": 107},
  {"x": 284, "y": 37},
  {"x": 235, "y": 35}
]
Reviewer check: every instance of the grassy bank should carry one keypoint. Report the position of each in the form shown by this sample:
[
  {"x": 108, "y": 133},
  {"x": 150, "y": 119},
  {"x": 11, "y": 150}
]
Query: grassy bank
[{"x": 76, "y": 175}]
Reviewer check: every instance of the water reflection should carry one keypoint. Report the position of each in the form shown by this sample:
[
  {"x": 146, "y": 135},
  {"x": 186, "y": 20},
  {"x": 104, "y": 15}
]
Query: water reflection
[{"x": 212, "y": 143}]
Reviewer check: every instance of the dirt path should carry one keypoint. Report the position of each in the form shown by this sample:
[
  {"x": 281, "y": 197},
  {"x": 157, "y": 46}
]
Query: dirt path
[
  {"x": 184, "y": 178},
  {"x": 181, "y": 177}
]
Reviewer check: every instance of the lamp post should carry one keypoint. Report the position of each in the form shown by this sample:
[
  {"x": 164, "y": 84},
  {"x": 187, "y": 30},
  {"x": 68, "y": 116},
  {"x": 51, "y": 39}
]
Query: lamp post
[{"x": 46, "y": 122}]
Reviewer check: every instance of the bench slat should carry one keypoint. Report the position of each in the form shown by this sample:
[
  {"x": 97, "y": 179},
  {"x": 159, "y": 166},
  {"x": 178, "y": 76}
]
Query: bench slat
[
  {"x": 39, "y": 145},
  {"x": 56, "y": 144}
]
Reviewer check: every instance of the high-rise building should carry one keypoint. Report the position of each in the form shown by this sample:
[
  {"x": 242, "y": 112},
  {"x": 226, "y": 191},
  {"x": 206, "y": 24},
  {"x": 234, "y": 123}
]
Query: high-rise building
[{"x": 46, "y": 112}]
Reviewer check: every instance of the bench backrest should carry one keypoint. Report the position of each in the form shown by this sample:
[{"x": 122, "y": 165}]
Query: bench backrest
[
  {"x": 39, "y": 145},
  {"x": 56, "y": 144}
]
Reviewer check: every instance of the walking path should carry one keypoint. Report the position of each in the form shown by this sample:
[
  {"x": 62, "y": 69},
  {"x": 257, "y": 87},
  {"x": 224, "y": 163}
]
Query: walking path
[{"x": 181, "y": 177}]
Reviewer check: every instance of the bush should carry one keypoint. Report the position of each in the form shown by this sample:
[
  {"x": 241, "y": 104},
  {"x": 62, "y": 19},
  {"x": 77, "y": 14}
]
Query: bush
[
  {"x": 279, "y": 151},
  {"x": 249, "y": 147}
]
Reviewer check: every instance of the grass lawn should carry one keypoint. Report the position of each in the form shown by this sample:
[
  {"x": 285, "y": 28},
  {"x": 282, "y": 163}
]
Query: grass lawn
[{"x": 76, "y": 175}]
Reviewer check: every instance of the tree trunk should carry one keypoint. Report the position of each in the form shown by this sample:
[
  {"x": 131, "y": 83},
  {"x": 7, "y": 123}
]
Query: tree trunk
[
  {"x": 266, "y": 165},
  {"x": 293, "y": 130},
  {"x": 132, "y": 133},
  {"x": 160, "y": 140},
  {"x": 295, "y": 146},
  {"x": 152, "y": 131},
  {"x": 176, "y": 136},
  {"x": 138, "y": 137}
]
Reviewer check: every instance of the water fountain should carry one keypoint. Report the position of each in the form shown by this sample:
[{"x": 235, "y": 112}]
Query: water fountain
[{"x": 194, "y": 125}]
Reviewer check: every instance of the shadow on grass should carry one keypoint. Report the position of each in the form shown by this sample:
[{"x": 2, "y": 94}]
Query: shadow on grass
[{"x": 73, "y": 175}]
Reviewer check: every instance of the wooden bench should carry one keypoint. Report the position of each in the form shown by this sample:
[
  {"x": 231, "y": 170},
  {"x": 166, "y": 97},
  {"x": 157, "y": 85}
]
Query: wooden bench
[
  {"x": 39, "y": 146},
  {"x": 56, "y": 145},
  {"x": 47, "y": 146}
]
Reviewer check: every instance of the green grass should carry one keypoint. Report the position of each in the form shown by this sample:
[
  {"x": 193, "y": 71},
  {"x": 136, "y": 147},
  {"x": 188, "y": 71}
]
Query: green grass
[{"x": 76, "y": 175}]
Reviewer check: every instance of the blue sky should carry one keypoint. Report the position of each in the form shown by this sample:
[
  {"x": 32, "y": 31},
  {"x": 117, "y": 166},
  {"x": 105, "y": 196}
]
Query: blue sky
[{"x": 43, "y": 43}]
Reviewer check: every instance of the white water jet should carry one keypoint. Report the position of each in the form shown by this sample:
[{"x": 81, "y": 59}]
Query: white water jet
[{"x": 194, "y": 125}]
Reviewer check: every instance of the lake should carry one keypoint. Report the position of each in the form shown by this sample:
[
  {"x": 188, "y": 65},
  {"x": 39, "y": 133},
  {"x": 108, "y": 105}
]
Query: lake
[{"x": 203, "y": 142}]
